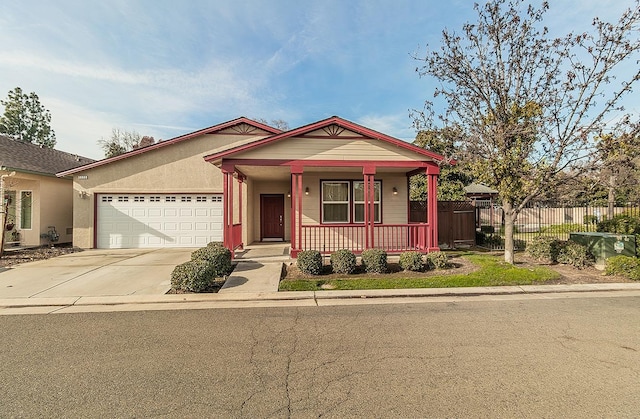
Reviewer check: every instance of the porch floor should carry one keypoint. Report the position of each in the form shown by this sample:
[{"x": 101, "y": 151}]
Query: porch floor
[{"x": 265, "y": 252}]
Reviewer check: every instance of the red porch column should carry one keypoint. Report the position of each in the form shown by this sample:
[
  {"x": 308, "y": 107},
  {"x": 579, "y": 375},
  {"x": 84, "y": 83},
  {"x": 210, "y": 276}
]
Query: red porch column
[
  {"x": 369, "y": 206},
  {"x": 240, "y": 194},
  {"x": 227, "y": 205},
  {"x": 432, "y": 191},
  {"x": 296, "y": 210}
]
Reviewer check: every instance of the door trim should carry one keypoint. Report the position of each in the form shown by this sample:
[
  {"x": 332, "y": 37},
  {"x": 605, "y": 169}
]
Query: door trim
[{"x": 262, "y": 218}]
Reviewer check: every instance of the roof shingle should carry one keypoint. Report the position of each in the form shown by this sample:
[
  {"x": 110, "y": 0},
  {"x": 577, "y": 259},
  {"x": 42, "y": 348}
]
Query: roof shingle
[{"x": 20, "y": 156}]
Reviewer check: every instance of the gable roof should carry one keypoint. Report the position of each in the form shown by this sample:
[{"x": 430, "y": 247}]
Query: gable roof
[
  {"x": 210, "y": 130},
  {"x": 334, "y": 120},
  {"x": 479, "y": 188},
  {"x": 25, "y": 157}
]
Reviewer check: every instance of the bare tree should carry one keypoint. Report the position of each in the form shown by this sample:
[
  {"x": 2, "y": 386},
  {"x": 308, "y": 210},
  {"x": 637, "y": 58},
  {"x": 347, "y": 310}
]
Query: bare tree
[
  {"x": 531, "y": 105},
  {"x": 122, "y": 141}
]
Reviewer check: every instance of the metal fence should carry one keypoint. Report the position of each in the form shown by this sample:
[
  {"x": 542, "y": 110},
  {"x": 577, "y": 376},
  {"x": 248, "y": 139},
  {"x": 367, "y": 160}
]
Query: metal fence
[{"x": 557, "y": 219}]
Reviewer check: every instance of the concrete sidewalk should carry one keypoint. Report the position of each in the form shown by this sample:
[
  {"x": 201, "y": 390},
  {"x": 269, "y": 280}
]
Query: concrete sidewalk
[{"x": 309, "y": 298}]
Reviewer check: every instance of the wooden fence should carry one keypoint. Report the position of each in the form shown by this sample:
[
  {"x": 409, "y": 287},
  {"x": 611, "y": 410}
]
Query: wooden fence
[{"x": 456, "y": 222}]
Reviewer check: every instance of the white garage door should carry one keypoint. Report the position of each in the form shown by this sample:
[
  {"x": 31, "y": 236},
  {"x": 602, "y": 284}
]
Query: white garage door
[{"x": 144, "y": 220}]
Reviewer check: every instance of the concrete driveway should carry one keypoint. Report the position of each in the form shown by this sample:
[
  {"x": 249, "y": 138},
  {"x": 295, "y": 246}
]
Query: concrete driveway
[{"x": 94, "y": 273}]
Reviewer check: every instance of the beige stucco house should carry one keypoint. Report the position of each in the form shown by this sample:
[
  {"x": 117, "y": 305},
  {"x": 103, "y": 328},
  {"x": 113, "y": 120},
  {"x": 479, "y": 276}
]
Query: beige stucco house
[
  {"x": 329, "y": 185},
  {"x": 37, "y": 201}
]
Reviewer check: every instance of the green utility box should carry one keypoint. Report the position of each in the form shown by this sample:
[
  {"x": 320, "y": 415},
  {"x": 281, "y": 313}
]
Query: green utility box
[{"x": 605, "y": 245}]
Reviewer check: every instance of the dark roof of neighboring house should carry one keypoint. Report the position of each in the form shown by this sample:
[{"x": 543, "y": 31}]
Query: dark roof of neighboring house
[
  {"x": 25, "y": 157},
  {"x": 479, "y": 188}
]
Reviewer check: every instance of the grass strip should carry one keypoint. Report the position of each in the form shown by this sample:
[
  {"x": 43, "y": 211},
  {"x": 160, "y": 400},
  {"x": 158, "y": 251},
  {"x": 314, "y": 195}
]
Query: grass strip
[{"x": 493, "y": 272}]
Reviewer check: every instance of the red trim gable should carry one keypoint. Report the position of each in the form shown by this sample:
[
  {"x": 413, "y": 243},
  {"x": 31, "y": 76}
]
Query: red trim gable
[
  {"x": 210, "y": 130},
  {"x": 334, "y": 120}
]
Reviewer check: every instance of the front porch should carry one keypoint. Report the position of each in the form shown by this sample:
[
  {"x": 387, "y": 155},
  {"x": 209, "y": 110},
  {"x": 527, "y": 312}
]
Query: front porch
[{"x": 341, "y": 186}]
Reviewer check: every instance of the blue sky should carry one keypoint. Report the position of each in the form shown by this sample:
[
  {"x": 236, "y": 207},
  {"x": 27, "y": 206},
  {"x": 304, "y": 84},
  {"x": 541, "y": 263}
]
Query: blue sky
[{"x": 166, "y": 68}]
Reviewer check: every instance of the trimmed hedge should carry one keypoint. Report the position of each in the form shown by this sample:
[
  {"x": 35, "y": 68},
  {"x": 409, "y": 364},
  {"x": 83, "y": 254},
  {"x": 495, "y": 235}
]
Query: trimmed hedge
[
  {"x": 575, "y": 254},
  {"x": 544, "y": 248},
  {"x": 310, "y": 262},
  {"x": 194, "y": 276},
  {"x": 621, "y": 224},
  {"x": 438, "y": 260},
  {"x": 343, "y": 261},
  {"x": 626, "y": 266},
  {"x": 411, "y": 261},
  {"x": 217, "y": 256},
  {"x": 374, "y": 261}
]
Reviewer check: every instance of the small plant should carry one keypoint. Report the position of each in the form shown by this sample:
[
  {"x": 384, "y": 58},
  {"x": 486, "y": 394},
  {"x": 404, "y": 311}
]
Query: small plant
[
  {"x": 374, "y": 261},
  {"x": 438, "y": 260},
  {"x": 215, "y": 244},
  {"x": 544, "y": 248},
  {"x": 217, "y": 256},
  {"x": 626, "y": 266},
  {"x": 411, "y": 261},
  {"x": 193, "y": 276},
  {"x": 575, "y": 254},
  {"x": 621, "y": 224},
  {"x": 310, "y": 262},
  {"x": 343, "y": 261}
]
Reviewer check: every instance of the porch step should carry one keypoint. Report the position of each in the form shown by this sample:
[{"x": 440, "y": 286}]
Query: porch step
[{"x": 253, "y": 277}]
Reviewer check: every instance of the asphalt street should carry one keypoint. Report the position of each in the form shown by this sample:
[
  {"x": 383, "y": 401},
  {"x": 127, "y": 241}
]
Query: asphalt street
[{"x": 565, "y": 357}]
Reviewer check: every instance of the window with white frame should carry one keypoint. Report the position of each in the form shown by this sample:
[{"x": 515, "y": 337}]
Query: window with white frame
[
  {"x": 343, "y": 201},
  {"x": 358, "y": 201},
  {"x": 335, "y": 201}
]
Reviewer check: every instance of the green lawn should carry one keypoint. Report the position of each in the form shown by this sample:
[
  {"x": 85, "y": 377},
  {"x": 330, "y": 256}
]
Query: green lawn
[{"x": 493, "y": 271}]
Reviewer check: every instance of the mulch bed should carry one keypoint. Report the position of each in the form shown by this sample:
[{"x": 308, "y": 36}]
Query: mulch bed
[{"x": 14, "y": 257}]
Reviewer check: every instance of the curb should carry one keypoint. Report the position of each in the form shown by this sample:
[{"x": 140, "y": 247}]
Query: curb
[{"x": 312, "y": 295}]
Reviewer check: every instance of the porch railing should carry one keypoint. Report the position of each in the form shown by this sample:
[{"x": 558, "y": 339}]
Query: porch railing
[{"x": 393, "y": 238}]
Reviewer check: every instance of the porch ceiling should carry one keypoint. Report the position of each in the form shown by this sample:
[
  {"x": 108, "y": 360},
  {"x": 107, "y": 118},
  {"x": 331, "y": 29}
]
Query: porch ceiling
[{"x": 272, "y": 173}]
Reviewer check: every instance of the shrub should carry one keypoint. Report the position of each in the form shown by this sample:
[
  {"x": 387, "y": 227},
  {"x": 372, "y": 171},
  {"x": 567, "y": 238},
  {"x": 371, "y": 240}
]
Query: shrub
[
  {"x": 590, "y": 219},
  {"x": 215, "y": 244},
  {"x": 481, "y": 238},
  {"x": 438, "y": 260},
  {"x": 575, "y": 254},
  {"x": 310, "y": 262},
  {"x": 194, "y": 275},
  {"x": 562, "y": 228},
  {"x": 217, "y": 256},
  {"x": 626, "y": 266},
  {"x": 343, "y": 261},
  {"x": 621, "y": 224},
  {"x": 488, "y": 229},
  {"x": 544, "y": 248},
  {"x": 412, "y": 261},
  {"x": 374, "y": 261}
]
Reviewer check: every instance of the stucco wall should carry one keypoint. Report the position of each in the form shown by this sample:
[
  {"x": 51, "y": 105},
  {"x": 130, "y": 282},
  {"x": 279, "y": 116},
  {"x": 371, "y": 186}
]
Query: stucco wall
[
  {"x": 56, "y": 208},
  {"x": 173, "y": 169}
]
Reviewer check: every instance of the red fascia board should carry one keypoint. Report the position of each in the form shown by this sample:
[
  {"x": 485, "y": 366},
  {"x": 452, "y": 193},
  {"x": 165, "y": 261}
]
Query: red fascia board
[
  {"x": 351, "y": 126},
  {"x": 175, "y": 140},
  {"x": 410, "y": 164}
]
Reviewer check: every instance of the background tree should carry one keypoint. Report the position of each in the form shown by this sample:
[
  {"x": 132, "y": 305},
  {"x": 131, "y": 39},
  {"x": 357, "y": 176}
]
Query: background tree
[
  {"x": 122, "y": 141},
  {"x": 281, "y": 124},
  {"x": 530, "y": 105},
  {"x": 25, "y": 119},
  {"x": 618, "y": 154},
  {"x": 453, "y": 178}
]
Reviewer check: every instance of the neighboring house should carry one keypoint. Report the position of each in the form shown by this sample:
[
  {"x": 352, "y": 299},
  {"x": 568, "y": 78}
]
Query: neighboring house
[
  {"x": 479, "y": 192},
  {"x": 329, "y": 185},
  {"x": 37, "y": 198}
]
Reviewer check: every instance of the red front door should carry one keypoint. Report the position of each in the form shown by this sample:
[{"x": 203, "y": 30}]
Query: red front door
[{"x": 272, "y": 217}]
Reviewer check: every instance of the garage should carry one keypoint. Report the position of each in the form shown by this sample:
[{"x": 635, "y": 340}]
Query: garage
[{"x": 158, "y": 220}]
